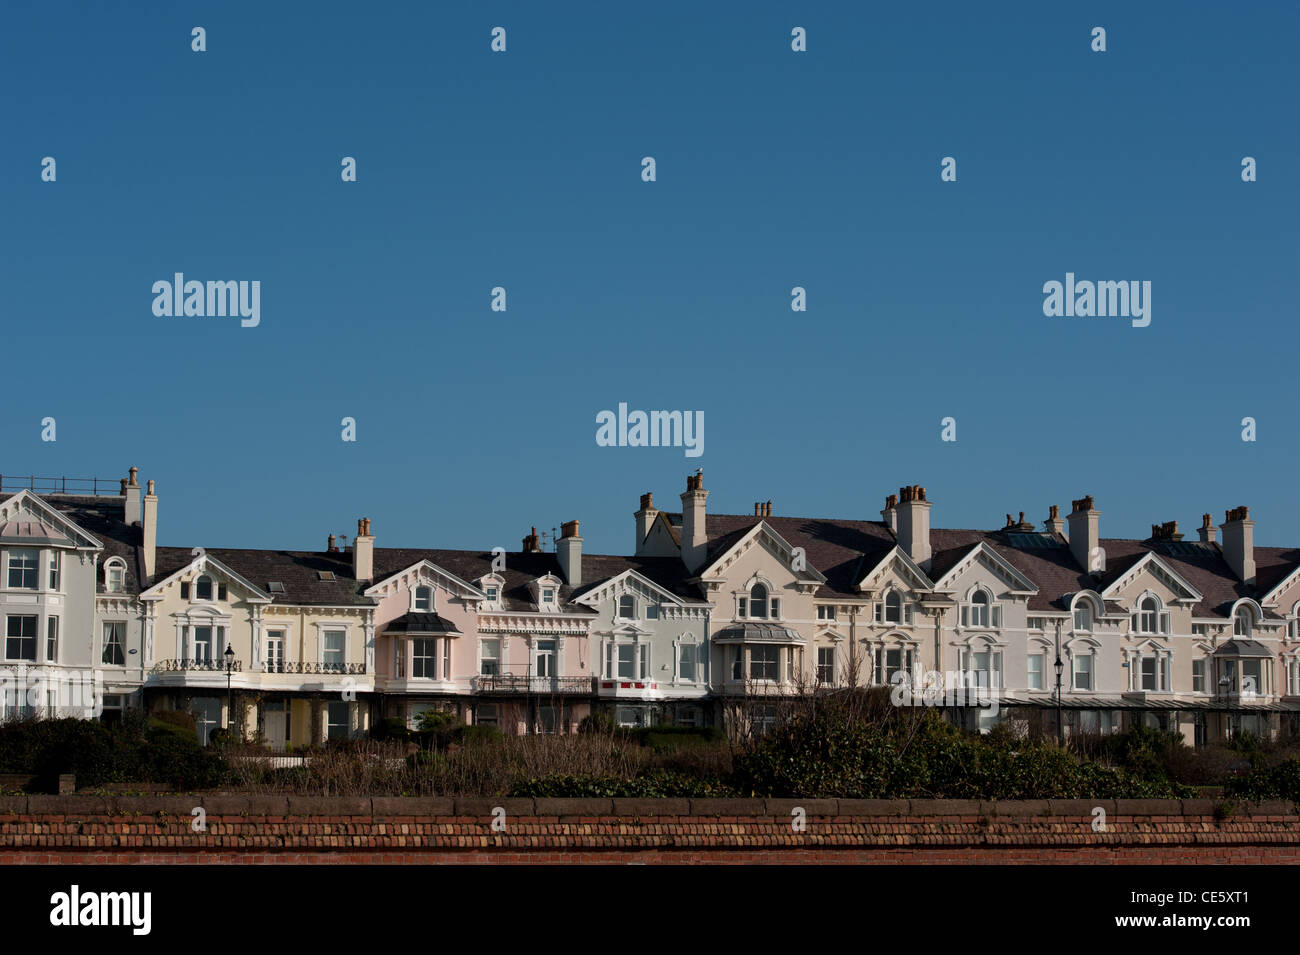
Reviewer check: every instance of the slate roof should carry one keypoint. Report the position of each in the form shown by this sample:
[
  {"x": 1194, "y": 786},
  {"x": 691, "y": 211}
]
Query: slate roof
[
  {"x": 299, "y": 571},
  {"x": 102, "y": 518},
  {"x": 845, "y": 550}
]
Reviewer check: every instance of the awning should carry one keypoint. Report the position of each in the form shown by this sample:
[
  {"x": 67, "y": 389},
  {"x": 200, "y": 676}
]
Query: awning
[
  {"x": 758, "y": 633},
  {"x": 1243, "y": 648},
  {"x": 421, "y": 625}
]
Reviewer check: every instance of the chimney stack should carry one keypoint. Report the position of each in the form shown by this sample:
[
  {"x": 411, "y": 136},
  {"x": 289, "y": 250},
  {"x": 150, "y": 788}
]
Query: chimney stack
[
  {"x": 1054, "y": 524},
  {"x": 890, "y": 513},
  {"x": 149, "y": 531},
  {"x": 645, "y": 519},
  {"x": 1239, "y": 543},
  {"x": 1085, "y": 536},
  {"x": 131, "y": 491},
  {"x": 694, "y": 536},
  {"x": 1168, "y": 531},
  {"x": 531, "y": 546},
  {"x": 1207, "y": 530},
  {"x": 569, "y": 550},
  {"x": 363, "y": 552},
  {"x": 914, "y": 524}
]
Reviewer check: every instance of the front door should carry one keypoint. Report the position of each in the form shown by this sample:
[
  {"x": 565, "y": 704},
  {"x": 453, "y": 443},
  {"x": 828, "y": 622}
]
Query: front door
[{"x": 275, "y": 726}]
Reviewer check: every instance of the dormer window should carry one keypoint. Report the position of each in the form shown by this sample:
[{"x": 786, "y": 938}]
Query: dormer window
[
  {"x": 423, "y": 599},
  {"x": 492, "y": 593},
  {"x": 1241, "y": 622},
  {"x": 627, "y": 607},
  {"x": 114, "y": 575},
  {"x": 1083, "y": 618},
  {"x": 548, "y": 595}
]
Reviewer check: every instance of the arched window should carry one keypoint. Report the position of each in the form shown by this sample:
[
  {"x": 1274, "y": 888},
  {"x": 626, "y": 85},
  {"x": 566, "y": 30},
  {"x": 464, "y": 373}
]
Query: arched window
[
  {"x": 893, "y": 607},
  {"x": 114, "y": 575},
  {"x": 758, "y": 601},
  {"x": 1083, "y": 616},
  {"x": 979, "y": 609},
  {"x": 424, "y": 599},
  {"x": 1148, "y": 614},
  {"x": 627, "y": 607},
  {"x": 1241, "y": 622},
  {"x": 203, "y": 588}
]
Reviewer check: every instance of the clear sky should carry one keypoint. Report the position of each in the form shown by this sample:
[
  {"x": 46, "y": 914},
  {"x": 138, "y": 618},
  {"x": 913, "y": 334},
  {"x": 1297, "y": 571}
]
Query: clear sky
[{"x": 774, "y": 169}]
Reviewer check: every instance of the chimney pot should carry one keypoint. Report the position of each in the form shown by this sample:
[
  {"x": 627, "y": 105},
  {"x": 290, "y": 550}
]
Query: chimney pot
[
  {"x": 332, "y": 547},
  {"x": 133, "y": 471}
]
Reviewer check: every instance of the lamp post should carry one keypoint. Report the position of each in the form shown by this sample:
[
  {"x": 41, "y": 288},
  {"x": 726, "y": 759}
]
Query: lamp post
[
  {"x": 230, "y": 696},
  {"x": 1225, "y": 686},
  {"x": 1060, "y": 729}
]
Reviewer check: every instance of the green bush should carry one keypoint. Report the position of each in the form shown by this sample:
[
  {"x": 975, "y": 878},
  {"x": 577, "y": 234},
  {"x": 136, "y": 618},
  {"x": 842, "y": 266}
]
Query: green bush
[
  {"x": 654, "y": 784},
  {"x": 179, "y": 719},
  {"x": 915, "y": 754},
  {"x": 1276, "y": 782}
]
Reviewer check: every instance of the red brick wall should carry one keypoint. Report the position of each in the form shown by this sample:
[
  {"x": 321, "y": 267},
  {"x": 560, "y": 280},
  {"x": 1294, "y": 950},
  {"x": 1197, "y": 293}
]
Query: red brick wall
[{"x": 263, "y": 829}]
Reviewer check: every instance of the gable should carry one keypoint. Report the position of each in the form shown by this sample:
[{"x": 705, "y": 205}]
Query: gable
[
  {"x": 764, "y": 552},
  {"x": 425, "y": 573},
  {"x": 27, "y": 506},
  {"x": 984, "y": 566},
  {"x": 627, "y": 582},
  {"x": 1152, "y": 573},
  {"x": 896, "y": 568}
]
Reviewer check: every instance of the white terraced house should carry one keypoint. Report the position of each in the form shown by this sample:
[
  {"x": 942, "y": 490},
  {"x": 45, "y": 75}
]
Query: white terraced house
[{"x": 712, "y": 621}]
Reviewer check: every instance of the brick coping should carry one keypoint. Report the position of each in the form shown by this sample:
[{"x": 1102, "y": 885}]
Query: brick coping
[{"x": 387, "y": 806}]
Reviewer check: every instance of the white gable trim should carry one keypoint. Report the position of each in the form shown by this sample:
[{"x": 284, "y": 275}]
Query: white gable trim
[
  {"x": 1021, "y": 583},
  {"x": 423, "y": 571},
  {"x": 1151, "y": 563},
  {"x": 56, "y": 517},
  {"x": 202, "y": 564},
  {"x": 896, "y": 556},
  {"x": 614, "y": 586},
  {"x": 762, "y": 532}
]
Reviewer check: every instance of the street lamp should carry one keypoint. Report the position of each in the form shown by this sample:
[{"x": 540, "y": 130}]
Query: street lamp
[
  {"x": 1060, "y": 729},
  {"x": 230, "y": 697},
  {"x": 1225, "y": 686}
]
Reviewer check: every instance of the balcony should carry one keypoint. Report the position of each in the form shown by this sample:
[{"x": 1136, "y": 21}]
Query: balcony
[
  {"x": 209, "y": 666},
  {"x": 315, "y": 668},
  {"x": 536, "y": 685}
]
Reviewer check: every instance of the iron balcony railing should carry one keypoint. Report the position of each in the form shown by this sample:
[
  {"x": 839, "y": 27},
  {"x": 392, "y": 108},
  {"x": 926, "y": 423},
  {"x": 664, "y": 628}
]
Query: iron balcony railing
[
  {"x": 542, "y": 685},
  {"x": 93, "y": 487},
  {"x": 290, "y": 667},
  {"x": 213, "y": 666}
]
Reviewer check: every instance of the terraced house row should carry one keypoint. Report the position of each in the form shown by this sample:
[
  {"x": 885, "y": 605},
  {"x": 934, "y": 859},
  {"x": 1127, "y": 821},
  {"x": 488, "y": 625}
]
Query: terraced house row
[{"x": 713, "y": 619}]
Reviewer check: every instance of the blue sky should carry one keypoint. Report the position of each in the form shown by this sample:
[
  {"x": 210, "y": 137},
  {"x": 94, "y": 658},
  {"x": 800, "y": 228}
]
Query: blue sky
[{"x": 775, "y": 169}]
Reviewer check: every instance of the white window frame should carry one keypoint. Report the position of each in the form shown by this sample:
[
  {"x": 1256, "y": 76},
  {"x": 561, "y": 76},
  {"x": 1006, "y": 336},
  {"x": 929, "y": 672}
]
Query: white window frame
[
  {"x": 18, "y": 560},
  {"x": 114, "y": 566},
  {"x": 105, "y": 642},
  {"x": 415, "y": 599}
]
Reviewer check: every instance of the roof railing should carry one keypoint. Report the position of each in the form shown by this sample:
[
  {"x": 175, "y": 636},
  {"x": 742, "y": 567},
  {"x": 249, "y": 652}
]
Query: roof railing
[{"x": 93, "y": 487}]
